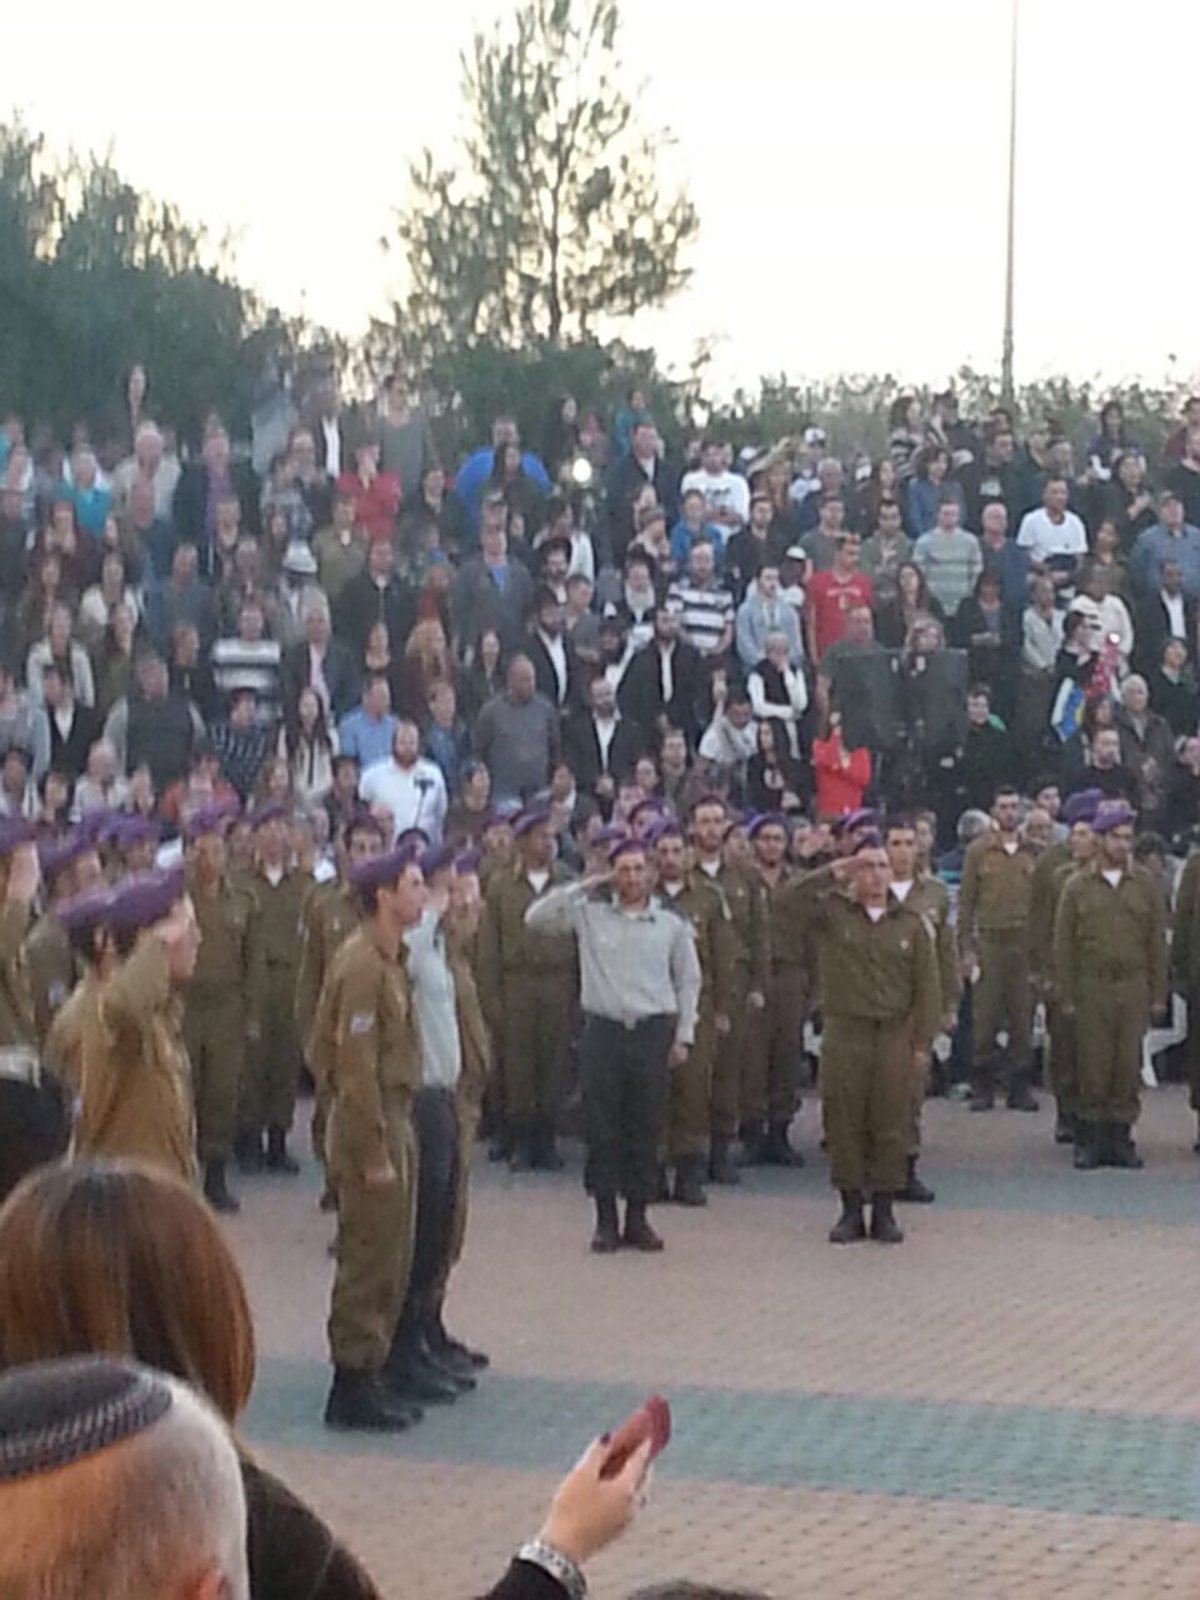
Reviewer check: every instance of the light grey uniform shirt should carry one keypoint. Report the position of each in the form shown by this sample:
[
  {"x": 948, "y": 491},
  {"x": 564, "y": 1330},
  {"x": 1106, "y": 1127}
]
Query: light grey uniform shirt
[
  {"x": 434, "y": 999},
  {"x": 633, "y": 964}
]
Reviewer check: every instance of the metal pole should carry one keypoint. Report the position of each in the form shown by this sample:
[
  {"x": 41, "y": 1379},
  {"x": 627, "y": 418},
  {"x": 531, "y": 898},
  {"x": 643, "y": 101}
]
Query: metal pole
[{"x": 1006, "y": 369}]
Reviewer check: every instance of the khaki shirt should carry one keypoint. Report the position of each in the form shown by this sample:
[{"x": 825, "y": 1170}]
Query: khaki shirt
[
  {"x": 229, "y": 966},
  {"x": 997, "y": 889},
  {"x": 878, "y": 971},
  {"x": 17, "y": 1025},
  {"x": 712, "y": 923},
  {"x": 509, "y": 950},
  {"x": 329, "y": 916},
  {"x": 1105, "y": 935},
  {"x": 136, "y": 1091},
  {"x": 369, "y": 1047},
  {"x": 1043, "y": 904},
  {"x": 51, "y": 965},
  {"x": 930, "y": 897},
  {"x": 472, "y": 1029},
  {"x": 1185, "y": 941},
  {"x": 280, "y": 923},
  {"x": 744, "y": 895},
  {"x": 75, "y": 1019}
]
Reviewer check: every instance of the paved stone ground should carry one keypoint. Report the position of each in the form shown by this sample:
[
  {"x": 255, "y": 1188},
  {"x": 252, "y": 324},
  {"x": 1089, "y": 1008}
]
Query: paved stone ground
[{"x": 1006, "y": 1405}]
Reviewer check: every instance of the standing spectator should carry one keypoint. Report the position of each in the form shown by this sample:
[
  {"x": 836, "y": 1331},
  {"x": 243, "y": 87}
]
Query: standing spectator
[
  {"x": 628, "y": 475},
  {"x": 1127, "y": 500},
  {"x": 726, "y": 495},
  {"x": 406, "y": 445},
  {"x": 491, "y": 590},
  {"x": 995, "y": 478},
  {"x": 1041, "y": 641},
  {"x": 1007, "y": 562},
  {"x": 775, "y": 780},
  {"x": 89, "y": 492},
  {"x": 602, "y": 746},
  {"x": 1147, "y": 743},
  {"x": 986, "y": 762},
  {"x": 340, "y": 549},
  {"x": 321, "y": 663},
  {"x": 912, "y": 604},
  {"x": 242, "y": 742},
  {"x": 202, "y": 486},
  {"x": 1171, "y": 538},
  {"x": 929, "y": 488},
  {"x": 1167, "y": 613},
  {"x": 517, "y": 736},
  {"x": 189, "y": 675},
  {"x": 694, "y": 524},
  {"x": 949, "y": 557},
  {"x": 410, "y": 787},
  {"x": 905, "y": 436},
  {"x": 1173, "y": 690},
  {"x": 155, "y": 726},
  {"x": 1054, "y": 536},
  {"x": 377, "y": 594},
  {"x": 60, "y": 650},
  {"x": 182, "y": 598},
  {"x": 835, "y": 592},
  {"x": 447, "y": 739},
  {"x": 366, "y": 734},
  {"x": 762, "y": 613},
  {"x": 664, "y": 684},
  {"x": 296, "y": 591},
  {"x": 484, "y": 676},
  {"x": 705, "y": 605},
  {"x": 760, "y": 543},
  {"x": 16, "y": 713},
  {"x": 471, "y": 480},
  {"x": 63, "y": 730},
  {"x": 250, "y": 660},
  {"x": 309, "y": 746},
  {"x": 556, "y": 671},
  {"x": 374, "y": 495},
  {"x": 779, "y": 693},
  {"x": 98, "y": 603},
  {"x": 149, "y": 464},
  {"x": 889, "y": 546},
  {"x": 842, "y": 775},
  {"x": 1184, "y": 478}
]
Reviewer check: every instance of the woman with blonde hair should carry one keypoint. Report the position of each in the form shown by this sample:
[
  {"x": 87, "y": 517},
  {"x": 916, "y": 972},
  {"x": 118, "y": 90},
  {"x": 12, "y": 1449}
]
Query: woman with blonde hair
[{"x": 426, "y": 662}]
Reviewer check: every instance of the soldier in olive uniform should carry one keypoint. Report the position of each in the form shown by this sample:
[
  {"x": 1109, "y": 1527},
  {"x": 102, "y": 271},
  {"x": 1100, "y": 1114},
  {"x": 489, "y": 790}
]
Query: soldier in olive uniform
[
  {"x": 34, "y": 1125},
  {"x": 1062, "y": 1053},
  {"x": 70, "y": 864},
  {"x": 528, "y": 984},
  {"x": 928, "y": 897},
  {"x": 367, "y": 1026},
  {"x": 994, "y": 906},
  {"x": 222, "y": 1006},
  {"x": 1110, "y": 967},
  {"x": 268, "y": 1099},
  {"x": 742, "y": 893},
  {"x": 1185, "y": 971},
  {"x": 771, "y": 1074},
  {"x": 696, "y": 897},
  {"x": 881, "y": 1002},
  {"x": 85, "y": 918},
  {"x": 136, "y": 1101}
]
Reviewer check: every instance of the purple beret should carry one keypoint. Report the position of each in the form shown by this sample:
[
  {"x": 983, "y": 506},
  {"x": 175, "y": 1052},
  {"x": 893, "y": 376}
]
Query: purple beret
[
  {"x": 61, "y": 851},
  {"x": 610, "y": 833},
  {"x": 627, "y": 846},
  {"x": 869, "y": 841},
  {"x": 268, "y": 813},
  {"x": 1114, "y": 814},
  {"x": 213, "y": 818},
  {"x": 503, "y": 814},
  {"x": 765, "y": 819},
  {"x": 1082, "y": 807},
  {"x": 91, "y": 909},
  {"x": 667, "y": 828},
  {"x": 94, "y": 824},
  {"x": 535, "y": 817},
  {"x": 131, "y": 829},
  {"x": 467, "y": 862},
  {"x": 416, "y": 837},
  {"x": 14, "y": 833},
  {"x": 376, "y": 871},
  {"x": 145, "y": 898},
  {"x": 849, "y": 820},
  {"x": 436, "y": 859}
]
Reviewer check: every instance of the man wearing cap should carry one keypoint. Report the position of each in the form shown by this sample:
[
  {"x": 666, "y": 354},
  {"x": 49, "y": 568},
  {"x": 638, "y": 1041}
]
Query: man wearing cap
[
  {"x": 696, "y": 897},
  {"x": 881, "y": 1004},
  {"x": 994, "y": 906},
  {"x": 527, "y": 985},
  {"x": 223, "y": 1002},
  {"x": 268, "y": 1094},
  {"x": 69, "y": 864},
  {"x": 640, "y": 985},
  {"x": 1110, "y": 968},
  {"x": 373, "y": 1066},
  {"x": 136, "y": 1101},
  {"x": 742, "y": 895},
  {"x": 771, "y": 1071},
  {"x": 84, "y": 920},
  {"x": 927, "y": 896}
]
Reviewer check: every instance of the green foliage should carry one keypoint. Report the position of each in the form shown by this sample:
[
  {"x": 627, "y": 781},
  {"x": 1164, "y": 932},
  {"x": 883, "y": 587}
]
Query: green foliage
[{"x": 548, "y": 220}]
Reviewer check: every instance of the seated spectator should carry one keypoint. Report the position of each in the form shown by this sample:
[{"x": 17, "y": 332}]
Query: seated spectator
[
  {"x": 309, "y": 746},
  {"x": 1173, "y": 690},
  {"x": 60, "y": 650},
  {"x": 366, "y": 733},
  {"x": 842, "y": 775},
  {"x": 762, "y": 613},
  {"x": 705, "y": 605},
  {"x": 778, "y": 692},
  {"x": 775, "y": 780},
  {"x": 98, "y": 603},
  {"x": 242, "y": 742},
  {"x": 63, "y": 730},
  {"x": 152, "y": 1271},
  {"x": 895, "y": 618}
]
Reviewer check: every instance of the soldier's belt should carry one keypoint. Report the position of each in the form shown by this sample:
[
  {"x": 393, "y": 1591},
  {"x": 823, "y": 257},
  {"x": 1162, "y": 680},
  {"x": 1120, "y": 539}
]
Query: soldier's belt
[{"x": 21, "y": 1065}]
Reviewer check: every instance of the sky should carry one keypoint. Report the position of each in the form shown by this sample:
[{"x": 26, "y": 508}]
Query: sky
[{"x": 848, "y": 159}]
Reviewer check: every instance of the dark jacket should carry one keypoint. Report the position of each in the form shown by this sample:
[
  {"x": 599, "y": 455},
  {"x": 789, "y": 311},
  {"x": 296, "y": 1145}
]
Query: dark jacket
[
  {"x": 1176, "y": 702},
  {"x": 640, "y": 695},
  {"x": 547, "y": 678},
  {"x": 342, "y": 677},
  {"x": 160, "y": 734},
  {"x": 1152, "y": 628},
  {"x": 477, "y": 604},
  {"x": 583, "y": 750},
  {"x": 624, "y": 483},
  {"x": 362, "y": 603},
  {"x": 191, "y": 504},
  {"x": 292, "y": 1554}
]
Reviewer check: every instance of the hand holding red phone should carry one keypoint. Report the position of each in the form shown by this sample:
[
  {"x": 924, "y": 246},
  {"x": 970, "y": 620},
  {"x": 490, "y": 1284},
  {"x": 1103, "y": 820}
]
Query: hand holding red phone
[{"x": 603, "y": 1493}]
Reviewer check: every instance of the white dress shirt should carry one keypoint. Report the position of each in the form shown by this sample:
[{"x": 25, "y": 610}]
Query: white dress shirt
[{"x": 415, "y": 796}]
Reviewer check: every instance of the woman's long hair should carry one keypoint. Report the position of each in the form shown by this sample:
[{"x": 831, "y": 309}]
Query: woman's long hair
[
  {"x": 294, "y": 734},
  {"x": 122, "y": 1260}
]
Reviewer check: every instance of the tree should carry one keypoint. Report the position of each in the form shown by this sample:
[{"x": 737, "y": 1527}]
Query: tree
[{"x": 549, "y": 220}]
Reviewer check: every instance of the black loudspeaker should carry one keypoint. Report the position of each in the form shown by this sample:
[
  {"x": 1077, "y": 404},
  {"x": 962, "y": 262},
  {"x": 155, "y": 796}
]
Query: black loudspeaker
[{"x": 864, "y": 690}]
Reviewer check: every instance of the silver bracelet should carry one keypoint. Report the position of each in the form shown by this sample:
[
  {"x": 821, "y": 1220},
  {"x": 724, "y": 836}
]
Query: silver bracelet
[{"x": 559, "y": 1566}]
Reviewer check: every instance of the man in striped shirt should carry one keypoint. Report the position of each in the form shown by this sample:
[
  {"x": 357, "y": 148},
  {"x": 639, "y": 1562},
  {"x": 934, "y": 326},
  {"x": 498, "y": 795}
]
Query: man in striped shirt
[{"x": 705, "y": 605}]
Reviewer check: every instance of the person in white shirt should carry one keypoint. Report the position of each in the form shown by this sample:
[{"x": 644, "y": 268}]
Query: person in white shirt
[
  {"x": 778, "y": 691},
  {"x": 726, "y": 495},
  {"x": 410, "y": 788},
  {"x": 1055, "y": 537}
]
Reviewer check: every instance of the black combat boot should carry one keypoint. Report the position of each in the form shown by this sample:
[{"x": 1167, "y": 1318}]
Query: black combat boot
[
  {"x": 689, "y": 1182},
  {"x": 360, "y": 1400},
  {"x": 722, "y": 1168},
  {"x": 1020, "y": 1096},
  {"x": 1196, "y": 1146},
  {"x": 606, "y": 1240},
  {"x": 1122, "y": 1152},
  {"x": 410, "y": 1374},
  {"x": 279, "y": 1158},
  {"x": 449, "y": 1351},
  {"x": 983, "y": 1086},
  {"x": 754, "y": 1144},
  {"x": 545, "y": 1148},
  {"x": 501, "y": 1147},
  {"x": 522, "y": 1156},
  {"x": 1065, "y": 1126},
  {"x": 639, "y": 1235},
  {"x": 778, "y": 1150},
  {"x": 914, "y": 1191},
  {"x": 248, "y": 1151},
  {"x": 884, "y": 1227},
  {"x": 216, "y": 1192},
  {"x": 849, "y": 1227},
  {"x": 1089, "y": 1146}
]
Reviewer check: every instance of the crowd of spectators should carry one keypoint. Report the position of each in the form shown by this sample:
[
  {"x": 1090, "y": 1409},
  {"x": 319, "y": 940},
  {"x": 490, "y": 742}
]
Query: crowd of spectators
[{"x": 794, "y": 631}]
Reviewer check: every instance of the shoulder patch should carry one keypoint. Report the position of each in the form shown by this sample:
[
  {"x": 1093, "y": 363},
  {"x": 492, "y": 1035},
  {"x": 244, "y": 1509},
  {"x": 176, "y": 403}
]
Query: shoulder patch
[{"x": 361, "y": 1022}]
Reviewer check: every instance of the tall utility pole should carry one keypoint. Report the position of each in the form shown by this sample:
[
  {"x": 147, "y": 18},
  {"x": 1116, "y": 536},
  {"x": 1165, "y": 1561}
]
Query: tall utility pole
[{"x": 1006, "y": 369}]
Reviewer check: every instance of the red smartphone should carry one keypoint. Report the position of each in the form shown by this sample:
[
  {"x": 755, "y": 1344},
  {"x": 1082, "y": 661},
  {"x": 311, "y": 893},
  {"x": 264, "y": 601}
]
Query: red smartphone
[{"x": 651, "y": 1421}]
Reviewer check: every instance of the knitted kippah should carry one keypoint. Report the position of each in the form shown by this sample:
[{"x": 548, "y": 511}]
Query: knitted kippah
[{"x": 60, "y": 1412}]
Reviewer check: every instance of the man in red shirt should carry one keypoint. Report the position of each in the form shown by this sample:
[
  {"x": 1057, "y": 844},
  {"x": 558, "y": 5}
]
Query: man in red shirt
[
  {"x": 376, "y": 495},
  {"x": 833, "y": 593}
]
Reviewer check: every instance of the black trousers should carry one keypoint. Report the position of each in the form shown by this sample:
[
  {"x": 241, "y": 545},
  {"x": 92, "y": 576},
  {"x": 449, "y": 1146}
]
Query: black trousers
[
  {"x": 435, "y": 1122},
  {"x": 625, "y": 1077},
  {"x": 35, "y": 1127}
]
